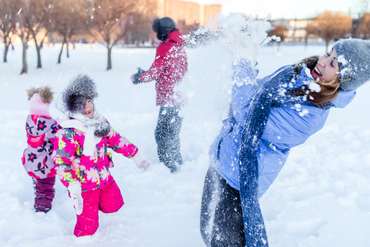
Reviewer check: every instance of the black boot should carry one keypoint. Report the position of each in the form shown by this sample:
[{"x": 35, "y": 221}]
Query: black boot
[{"x": 172, "y": 166}]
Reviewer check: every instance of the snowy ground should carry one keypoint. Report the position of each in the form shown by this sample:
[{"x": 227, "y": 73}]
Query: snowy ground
[{"x": 321, "y": 198}]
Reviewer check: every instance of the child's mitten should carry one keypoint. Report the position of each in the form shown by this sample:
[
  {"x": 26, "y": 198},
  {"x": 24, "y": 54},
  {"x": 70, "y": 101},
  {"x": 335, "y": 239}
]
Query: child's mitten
[
  {"x": 74, "y": 189},
  {"x": 141, "y": 161}
]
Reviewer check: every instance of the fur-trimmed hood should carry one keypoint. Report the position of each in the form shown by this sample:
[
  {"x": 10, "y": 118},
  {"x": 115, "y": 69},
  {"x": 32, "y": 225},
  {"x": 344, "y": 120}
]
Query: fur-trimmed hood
[
  {"x": 80, "y": 89},
  {"x": 71, "y": 104}
]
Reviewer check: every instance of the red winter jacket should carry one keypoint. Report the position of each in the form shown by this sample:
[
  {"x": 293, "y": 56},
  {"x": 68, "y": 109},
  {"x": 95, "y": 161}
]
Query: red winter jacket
[{"x": 168, "y": 69}]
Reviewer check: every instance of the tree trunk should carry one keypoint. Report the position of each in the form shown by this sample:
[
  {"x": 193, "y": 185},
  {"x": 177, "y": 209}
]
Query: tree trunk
[
  {"x": 67, "y": 49},
  {"x": 278, "y": 46},
  {"x": 306, "y": 43},
  {"x": 6, "y": 52},
  {"x": 327, "y": 44},
  {"x": 38, "y": 47},
  {"x": 61, "y": 51},
  {"x": 25, "y": 67},
  {"x": 109, "y": 58},
  {"x": 38, "y": 57}
]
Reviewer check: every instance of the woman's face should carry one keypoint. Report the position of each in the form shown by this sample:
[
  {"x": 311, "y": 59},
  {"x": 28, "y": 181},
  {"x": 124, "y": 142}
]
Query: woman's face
[
  {"x": 89, "y": 109},
  {"x": 327, "y": 67}
]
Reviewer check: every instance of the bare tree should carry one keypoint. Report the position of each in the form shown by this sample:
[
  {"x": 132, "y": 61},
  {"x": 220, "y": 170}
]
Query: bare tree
[
  {"x": 330, "y": 26},
  {"x": 143, "y": 32},
  {"x": 111, "y": 20},
  {"x": 8, "y": 13},
  {"x": 280, "y": 32},
  {"x": 24, "y": 33},
  {"x": 363, "y": 27},
  {"x": 69, "y": 21},
  {"x": 363, "y": 7},
  {"x": 39, "y": 17}
]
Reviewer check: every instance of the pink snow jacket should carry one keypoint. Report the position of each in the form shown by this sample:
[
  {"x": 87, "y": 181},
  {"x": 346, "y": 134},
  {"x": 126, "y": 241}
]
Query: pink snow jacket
[
  {"x": 91, "y": 171},
  {"x": 168, "y": 69},
  {"x": 36, "y": 157}
]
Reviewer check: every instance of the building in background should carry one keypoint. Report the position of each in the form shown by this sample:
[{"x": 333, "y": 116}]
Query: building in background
[
  {"x": 296, "y": 30},
  {"x": 187, "y": 14}
]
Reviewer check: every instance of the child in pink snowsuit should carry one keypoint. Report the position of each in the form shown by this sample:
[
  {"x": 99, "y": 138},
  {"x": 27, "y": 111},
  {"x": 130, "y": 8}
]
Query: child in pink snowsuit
[
  {"x": 36, "y": 159},
  {"x": 81, "y": 156}
]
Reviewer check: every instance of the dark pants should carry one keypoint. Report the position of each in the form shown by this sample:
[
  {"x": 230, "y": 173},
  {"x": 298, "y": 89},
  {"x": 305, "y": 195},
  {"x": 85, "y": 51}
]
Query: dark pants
[
  {"x": 44, "y": 192},
  {"x": 221, "y": 216},
  {"x": 167, "y": 136}
]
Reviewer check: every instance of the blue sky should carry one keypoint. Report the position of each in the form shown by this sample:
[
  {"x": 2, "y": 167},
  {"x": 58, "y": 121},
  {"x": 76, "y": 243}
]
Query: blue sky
[{"x": 285, "y": 8}]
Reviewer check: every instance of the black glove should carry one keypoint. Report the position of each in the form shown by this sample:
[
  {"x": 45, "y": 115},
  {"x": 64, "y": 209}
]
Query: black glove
[{"x": 138, "y": 75}]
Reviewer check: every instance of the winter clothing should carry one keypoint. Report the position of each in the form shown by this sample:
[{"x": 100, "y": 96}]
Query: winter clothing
[
  {"x": 37, "y": 156},
  {"x": 287, "y": 126},
  {"x": 44, "y": 193},
  {"x": 267, "y": 134},
  {"x": 91, "y": 171},
  {"x": 354, "y": 63},
  {"x": 141, "y": 161},
  {"x": 38, "y": 107},
  {"x": 36, "y": 159},
  {"x": 168, "y": 69},
  {"x": 108, "y": 200},
  {"x": 81, "y": 155},
  {"x": 138, "y": 75},
  {"x": 163, "y": 27},
  {"x": 221, "y": 204},
  {"x": 71, "y": 104},
  {"x": 268, "y": 95},
  {"x": 80, "y": 89},
  {"x": 91, "y": 140},
  {"x": 74, "y": 189},
  {"x": 167, "y": 136}
]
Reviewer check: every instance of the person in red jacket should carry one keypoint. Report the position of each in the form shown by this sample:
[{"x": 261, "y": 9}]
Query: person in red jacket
[{"x": 169, "y": 67}]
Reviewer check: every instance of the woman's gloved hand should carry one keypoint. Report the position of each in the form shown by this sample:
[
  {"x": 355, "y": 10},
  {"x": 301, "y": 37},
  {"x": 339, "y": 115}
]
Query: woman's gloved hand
[
  {"x": 74, "y": 189},
  {"x": 141, "y": 161}
]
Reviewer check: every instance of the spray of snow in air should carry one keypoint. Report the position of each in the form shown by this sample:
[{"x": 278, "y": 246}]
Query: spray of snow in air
[
  {"x": 242, "y": 35},
  {"x": 225, "y": 41}
]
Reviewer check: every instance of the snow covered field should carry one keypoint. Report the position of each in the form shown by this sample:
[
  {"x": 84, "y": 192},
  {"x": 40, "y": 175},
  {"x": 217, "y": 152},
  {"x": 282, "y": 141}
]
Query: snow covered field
[{"x": 321, "y": 198}]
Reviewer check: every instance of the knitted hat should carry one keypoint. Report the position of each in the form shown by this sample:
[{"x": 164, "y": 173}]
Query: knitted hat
[
  {"x": 40, "y": 99},
  {"x": 354, "y": 62}
]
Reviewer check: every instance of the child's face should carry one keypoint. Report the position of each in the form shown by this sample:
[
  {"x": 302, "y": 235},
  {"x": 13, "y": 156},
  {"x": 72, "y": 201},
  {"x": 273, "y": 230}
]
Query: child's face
[
  {"x": 327, "y": 68},
  {"x": 89, "y": 109}
]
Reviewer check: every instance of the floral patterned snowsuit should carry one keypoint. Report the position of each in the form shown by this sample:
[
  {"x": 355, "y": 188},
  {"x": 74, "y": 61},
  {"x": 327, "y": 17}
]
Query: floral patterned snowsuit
[
  {"x": 37, "y": 159},
  {"x": 99, "y": 190},
  {"x": 92, "y": 172}
]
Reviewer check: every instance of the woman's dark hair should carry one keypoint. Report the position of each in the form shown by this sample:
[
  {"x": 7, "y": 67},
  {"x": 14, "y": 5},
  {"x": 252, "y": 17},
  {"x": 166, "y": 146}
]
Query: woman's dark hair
[{"x": 328, "y": 92}]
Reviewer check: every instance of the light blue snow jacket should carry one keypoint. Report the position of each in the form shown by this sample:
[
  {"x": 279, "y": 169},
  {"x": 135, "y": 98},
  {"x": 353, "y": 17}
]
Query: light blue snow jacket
[{"x": 287, "y": 127}]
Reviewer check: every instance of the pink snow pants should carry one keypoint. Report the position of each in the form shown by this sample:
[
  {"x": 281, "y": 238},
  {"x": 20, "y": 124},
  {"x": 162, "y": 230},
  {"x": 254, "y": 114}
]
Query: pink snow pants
[{"x": 107, "y": 200}]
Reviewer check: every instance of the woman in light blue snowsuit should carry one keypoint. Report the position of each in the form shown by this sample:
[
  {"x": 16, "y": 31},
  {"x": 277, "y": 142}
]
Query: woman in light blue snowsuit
[{"x": 267, "y": 118}]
